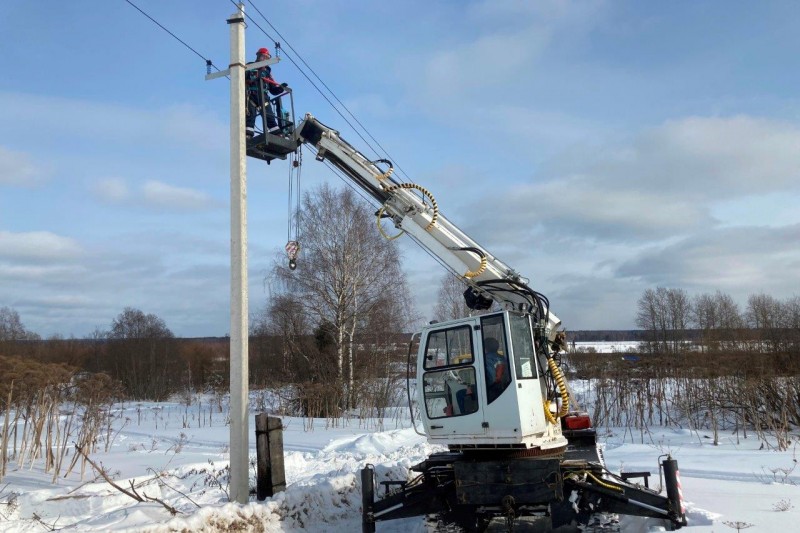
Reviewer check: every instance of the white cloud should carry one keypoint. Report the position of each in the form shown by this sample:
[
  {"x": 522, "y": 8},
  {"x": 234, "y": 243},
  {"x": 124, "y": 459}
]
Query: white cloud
[
  {"x": 161, "y": 195},
  {"x": 497, "y": 55},
  {"x": 143, "y": 269},
  {"x": 58, "y": 301},
  {"x": 17, "y": 169},
  {"x": 711, "y": 158},
  {"x": 667, "y": 182},
  {"x": 112, "y": 190},
  {"x": 142, "y": 126},
  {"x": 37, "y": 246},
  {"x": 472, "y": 67},
  {"x": 732, "y": 259},
  {"x": 24, "y": 272},
  {"x": 152, "y": 194}
]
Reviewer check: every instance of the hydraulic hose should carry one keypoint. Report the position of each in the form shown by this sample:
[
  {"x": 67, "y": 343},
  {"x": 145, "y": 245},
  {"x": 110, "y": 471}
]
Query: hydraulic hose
[
  {"x": 562, "y": 386},
  {"x": 562, "y": 389},
  {"x": 547, "y": 414},
  {"x": 388, "y": 173},
  {"x": 603, "y": 484},
  {"x": 424, "y": 191},
  {"x": 469, "y": 274},
  {"x": 379, "y": 215}
]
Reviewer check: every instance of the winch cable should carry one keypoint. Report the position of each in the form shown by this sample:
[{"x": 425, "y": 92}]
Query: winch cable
[
  {"x": 294, "y": 202},
  {"x": 288, "y": 45},
  {"x": 535, "y": 298}
]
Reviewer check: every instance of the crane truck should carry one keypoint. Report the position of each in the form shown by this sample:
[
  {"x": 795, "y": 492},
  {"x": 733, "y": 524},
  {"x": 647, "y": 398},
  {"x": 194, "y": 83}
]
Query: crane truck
[{"x": 488, "y": 387}]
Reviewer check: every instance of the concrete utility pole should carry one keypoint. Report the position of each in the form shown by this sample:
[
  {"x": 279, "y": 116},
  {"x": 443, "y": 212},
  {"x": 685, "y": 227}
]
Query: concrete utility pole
[
  {"x": 240, "y": 460},
  {"x": 239, "y": 489}
]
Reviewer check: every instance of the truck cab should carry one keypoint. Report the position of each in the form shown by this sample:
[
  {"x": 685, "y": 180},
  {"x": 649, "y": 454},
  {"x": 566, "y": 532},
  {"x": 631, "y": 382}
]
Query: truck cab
[{"x": 481, "y": 385}]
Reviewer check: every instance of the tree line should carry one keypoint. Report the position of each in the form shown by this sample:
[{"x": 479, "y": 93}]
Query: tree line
[
  {"x": 138, "y": 351},
  {"x": 670, "y": 318},
  {"x": 740, "y": 392},
  {"x": 329, "y": 335}
]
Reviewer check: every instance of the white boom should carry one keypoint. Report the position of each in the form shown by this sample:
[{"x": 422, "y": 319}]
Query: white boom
[{"x": 488, "y": 278}]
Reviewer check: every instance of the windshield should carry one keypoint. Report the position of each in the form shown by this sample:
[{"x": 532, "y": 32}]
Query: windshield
[{"x": 522, "y": 345}]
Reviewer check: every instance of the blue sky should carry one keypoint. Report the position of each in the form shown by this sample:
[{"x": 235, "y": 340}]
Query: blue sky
[{"x": 600, "y": 148}]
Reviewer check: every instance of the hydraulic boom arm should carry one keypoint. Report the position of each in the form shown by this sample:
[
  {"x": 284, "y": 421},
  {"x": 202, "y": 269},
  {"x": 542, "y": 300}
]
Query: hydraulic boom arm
[{"x": 489, "y": 279}]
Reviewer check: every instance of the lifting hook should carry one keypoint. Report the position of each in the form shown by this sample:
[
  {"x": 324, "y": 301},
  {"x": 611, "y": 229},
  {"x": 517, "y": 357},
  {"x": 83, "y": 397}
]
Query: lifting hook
[{"x": 292, "y": 249}]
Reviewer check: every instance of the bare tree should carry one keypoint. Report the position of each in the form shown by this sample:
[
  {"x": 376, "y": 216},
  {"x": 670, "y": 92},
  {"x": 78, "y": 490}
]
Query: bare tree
[
  {"x": 283, "y": 348},
  {"x": 730, "y": 317},
  {"x": 792, "y": 322},
  {"x": 13, "y": 332},
  {"x": 763, "y": 315},
  {"x": 678, "y": 311},
  {"x": 717, "y": 317},
  {"x": 664, "y": 315},
  {"x": 142, "y": 355},
  {"x": 11, "y": 328},
  {"x": 347, "y": 273},
  {"x": 653, "y": 317},
  {"x": 450, "y": 299},
  {"x": 705, "y": 317}
]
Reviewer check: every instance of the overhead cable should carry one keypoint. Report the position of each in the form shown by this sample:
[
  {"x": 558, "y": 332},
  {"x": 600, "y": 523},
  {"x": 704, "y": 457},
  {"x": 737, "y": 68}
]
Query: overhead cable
[
  {"x": 300, "y": 57},
  {"x": 207, "y": 61}
]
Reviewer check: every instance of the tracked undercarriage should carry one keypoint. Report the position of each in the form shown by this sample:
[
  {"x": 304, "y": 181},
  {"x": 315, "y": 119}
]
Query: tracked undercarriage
[
  {"x": 488, "y": 385},
  {"x": 474, "y": 492}
]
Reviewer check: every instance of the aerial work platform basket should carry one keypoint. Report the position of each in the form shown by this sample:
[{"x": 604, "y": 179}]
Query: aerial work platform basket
[{"x": 279, "y": 142}]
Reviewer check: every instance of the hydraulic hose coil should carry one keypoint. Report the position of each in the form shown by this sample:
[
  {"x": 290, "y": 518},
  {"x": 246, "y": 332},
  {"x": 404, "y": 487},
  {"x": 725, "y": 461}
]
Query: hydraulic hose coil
[
  {"x": 562, "y": 389},
  {"x": 424, "y": 191}
]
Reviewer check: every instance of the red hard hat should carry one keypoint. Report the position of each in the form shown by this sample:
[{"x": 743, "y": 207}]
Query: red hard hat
[{"x": 263, "y": 52}]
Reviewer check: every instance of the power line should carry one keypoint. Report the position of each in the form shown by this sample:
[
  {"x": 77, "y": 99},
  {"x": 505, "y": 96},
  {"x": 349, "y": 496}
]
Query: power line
[
  {"x": 257, "y": 25},
  {"x": 301, "y": 70},
  {"x": 207, "y": 61},
  {"x": 335, "y": 108},
  {"x": 300, "y": 57}
]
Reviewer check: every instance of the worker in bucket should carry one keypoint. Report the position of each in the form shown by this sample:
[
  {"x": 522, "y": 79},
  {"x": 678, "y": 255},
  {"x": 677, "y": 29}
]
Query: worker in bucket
[{"x": 259, "y": 85}]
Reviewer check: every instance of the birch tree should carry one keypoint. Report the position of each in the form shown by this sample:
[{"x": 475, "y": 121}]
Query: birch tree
[
  {"x": 450, "y": 299},
  {"x": 346, "y": 273},
  {"x": 663, "y": 313}
]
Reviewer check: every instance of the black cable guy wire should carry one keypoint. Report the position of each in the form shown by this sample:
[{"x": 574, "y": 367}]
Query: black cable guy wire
[
  {"x": 300, "y": 57},
  {"x": 536, "y": 300},
  {"x": 205, "y": 60}
]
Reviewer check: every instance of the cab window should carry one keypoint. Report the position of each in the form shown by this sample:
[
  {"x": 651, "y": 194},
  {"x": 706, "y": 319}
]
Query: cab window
[
  {"x": 522, "y": 342},
  {"x": 450, "y": 392},
  {"x": 449, "y": 347},
  {"x": 497, "y": 373}
]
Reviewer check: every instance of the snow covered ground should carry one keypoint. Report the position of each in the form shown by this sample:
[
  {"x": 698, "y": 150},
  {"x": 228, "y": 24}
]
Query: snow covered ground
[{"x": 179, "y": 453}]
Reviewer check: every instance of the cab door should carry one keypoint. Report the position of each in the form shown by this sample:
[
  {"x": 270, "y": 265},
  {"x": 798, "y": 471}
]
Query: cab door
[
  {"x": 499, "y": 391},
  {"x": 450, "y": 380}
]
